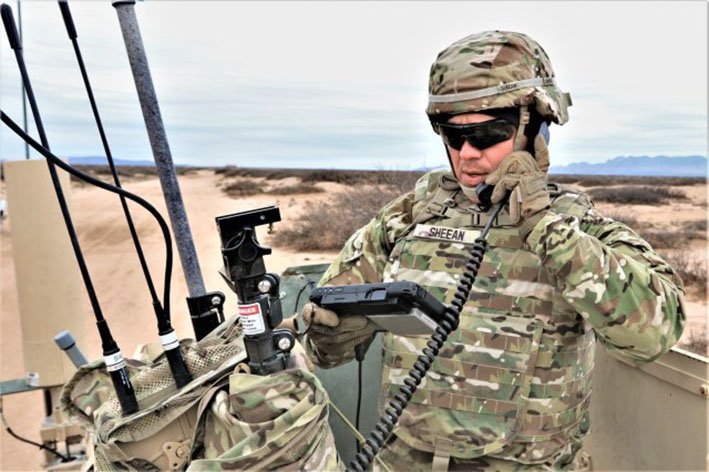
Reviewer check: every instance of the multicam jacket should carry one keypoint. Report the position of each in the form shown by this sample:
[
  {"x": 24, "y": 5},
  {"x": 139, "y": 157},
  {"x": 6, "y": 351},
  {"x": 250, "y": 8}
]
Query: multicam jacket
[{"x": 513, "y": 382}]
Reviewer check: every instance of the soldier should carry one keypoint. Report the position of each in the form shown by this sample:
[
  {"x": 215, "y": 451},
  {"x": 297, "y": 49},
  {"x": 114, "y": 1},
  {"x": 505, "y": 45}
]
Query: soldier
[{"x": 510, "y": 389}]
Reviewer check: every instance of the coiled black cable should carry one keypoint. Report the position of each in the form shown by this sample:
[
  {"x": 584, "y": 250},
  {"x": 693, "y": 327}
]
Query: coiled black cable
[{"x": 383, "y": 429}]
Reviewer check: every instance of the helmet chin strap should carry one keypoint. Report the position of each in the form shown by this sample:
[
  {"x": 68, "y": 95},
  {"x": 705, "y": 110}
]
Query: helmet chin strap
[{"x": 523, "y": 121}]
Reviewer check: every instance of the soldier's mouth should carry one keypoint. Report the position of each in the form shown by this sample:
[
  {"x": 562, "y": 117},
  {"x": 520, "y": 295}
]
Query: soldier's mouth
[{"x": 472, "y": 179}]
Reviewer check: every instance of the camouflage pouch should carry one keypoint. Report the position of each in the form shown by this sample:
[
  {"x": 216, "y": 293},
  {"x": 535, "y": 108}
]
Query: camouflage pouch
[
  {"x": 159, "y": 435},
  {"x": 269, "y": 422}
]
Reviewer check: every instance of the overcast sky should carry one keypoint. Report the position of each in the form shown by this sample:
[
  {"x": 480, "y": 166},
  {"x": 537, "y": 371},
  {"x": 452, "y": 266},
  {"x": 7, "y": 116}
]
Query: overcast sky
[{"x": 344, "y": 84}]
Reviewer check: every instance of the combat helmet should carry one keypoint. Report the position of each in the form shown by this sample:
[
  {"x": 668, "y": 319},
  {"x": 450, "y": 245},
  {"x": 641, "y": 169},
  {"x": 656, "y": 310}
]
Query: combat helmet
[{"x": 496, "y": 70}]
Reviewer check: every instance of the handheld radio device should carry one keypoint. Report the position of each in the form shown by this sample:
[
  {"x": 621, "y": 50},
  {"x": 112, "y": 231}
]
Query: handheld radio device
[{"x": 402, "y": 308}]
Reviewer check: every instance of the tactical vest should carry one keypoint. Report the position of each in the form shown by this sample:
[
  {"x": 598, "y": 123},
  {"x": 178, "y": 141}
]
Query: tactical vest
[{"x": 514, "y": 380}]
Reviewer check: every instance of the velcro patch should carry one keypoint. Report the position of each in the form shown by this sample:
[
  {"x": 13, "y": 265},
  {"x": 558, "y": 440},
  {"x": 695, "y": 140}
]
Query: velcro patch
[{"x": 442, "y": 233}]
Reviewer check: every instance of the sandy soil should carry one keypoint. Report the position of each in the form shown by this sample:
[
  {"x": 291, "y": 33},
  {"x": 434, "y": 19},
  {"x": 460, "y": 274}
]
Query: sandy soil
[
  {"x": 120, "y": 285},
  {"x": 121, "y": 288}
]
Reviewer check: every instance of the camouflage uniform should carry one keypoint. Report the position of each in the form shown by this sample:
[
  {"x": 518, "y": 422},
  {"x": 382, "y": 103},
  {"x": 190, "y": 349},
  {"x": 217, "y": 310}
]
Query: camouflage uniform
[{"x": 510, "y": 389}]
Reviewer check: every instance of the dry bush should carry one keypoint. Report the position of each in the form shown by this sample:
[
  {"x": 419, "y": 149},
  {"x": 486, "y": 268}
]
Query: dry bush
[
  {"x": 228, "y": 171},
  {"x": 696, "y": 229},
  {"x": 623, "y": 217},
  {"x": 692, "y": 269},
  {"x": 295, "y": 189},
  {"x": 697, "y": 343},
  {"x": 233, "y": 171},
  {"x": 103, "y": 172},
  {"x": 326, "y": 226},
  {"x": 583, "y": 180},
  {"x": 188, "y": 170},
  {"x": 609, "y": 180},
  {"x": 359, "y": 177},
  {"x": 664, "y": 239},
  {"x": 242, "y": 188},
  {"x": 346, "y": 177},
  {"x": 637, "y": 195}
]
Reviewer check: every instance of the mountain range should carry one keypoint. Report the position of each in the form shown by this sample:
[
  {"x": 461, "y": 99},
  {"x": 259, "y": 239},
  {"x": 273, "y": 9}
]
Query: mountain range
[
  {"x": 669, "y": 166},
  {"x": 101, "y": 161},
  {"x": 674, "y": 166}
]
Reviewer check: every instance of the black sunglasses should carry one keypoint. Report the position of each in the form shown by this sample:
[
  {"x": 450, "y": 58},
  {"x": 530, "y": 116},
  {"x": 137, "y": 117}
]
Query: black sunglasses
[{"x": 479, "y": 135}]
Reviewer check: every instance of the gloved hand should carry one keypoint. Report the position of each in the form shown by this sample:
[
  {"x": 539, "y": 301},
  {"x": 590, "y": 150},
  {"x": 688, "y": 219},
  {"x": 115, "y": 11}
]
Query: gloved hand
[
  {"x": 527, "y": 181},
  {"x": 335, "y": 338}
]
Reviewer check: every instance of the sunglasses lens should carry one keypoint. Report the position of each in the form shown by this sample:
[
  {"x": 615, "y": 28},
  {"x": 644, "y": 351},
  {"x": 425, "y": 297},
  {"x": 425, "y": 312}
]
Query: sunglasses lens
[{"x": 479, "y": 135}]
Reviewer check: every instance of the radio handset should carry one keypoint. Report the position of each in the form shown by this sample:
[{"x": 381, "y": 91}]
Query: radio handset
[{"x": 484, "y": 193}]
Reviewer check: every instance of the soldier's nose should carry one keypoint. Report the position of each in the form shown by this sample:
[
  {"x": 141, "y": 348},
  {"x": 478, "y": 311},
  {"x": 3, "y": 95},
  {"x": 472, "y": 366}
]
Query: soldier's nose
[{"x": 469, "y": 151}]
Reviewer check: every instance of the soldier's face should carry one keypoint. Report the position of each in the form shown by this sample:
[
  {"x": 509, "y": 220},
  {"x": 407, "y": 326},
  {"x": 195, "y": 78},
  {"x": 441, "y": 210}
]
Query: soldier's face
[{"x": 472, "y": 165}]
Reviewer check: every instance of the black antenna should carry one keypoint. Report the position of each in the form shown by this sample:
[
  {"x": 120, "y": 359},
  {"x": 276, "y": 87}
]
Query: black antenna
[
  {"x": 168, "y": 338},
  {"x": 22, "y": 84},
  {"x": 112, "y": 354}
]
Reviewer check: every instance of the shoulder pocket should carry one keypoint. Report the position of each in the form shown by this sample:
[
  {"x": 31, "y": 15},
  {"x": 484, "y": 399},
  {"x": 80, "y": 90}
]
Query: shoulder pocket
[{"x": 353, "y": 247}]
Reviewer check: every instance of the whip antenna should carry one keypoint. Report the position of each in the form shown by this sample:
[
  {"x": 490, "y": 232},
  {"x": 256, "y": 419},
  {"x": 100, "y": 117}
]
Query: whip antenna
[
  {"x": 205, "y": 308},
  {"x": 112, "y": 354},
  {"x": 22, "y": 85},
  {"x": 168, "y": 338}
]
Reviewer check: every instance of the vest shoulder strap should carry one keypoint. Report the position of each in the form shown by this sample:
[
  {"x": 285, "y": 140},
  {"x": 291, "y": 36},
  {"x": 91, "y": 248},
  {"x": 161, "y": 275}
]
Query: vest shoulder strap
[
  {"x": 568, "y": 202},
  {"x": 435, "y": 191},
  {"x": 433, "y": 196}
]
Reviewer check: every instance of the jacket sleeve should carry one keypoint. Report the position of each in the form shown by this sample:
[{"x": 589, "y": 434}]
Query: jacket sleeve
[
  {"x": 362, "y": 260},
  {"x": 612, "y": 277}
]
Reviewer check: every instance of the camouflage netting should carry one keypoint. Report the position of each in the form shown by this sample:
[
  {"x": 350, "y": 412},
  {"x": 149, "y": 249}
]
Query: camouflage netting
[{"x": 161, "y": 435}]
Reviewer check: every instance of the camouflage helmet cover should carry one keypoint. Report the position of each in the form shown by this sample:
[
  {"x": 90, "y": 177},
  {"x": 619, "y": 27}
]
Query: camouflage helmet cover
[{"x": 495, "y": 69}]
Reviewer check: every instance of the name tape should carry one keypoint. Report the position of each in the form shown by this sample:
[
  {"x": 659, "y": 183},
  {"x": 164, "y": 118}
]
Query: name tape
[{"x": 442, "y": 233}]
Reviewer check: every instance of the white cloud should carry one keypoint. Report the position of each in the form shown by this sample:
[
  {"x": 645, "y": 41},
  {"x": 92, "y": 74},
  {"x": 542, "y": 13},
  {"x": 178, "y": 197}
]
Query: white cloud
[{"x": 344, "y": 83}]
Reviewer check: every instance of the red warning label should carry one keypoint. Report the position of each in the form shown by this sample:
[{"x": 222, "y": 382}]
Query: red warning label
[{"x": 251, "y": 319}]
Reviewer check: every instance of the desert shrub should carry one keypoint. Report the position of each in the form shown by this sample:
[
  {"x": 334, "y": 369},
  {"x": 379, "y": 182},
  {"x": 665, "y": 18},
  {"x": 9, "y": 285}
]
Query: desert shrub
[
  {"x": 295, "y": 188},
  {"x": 359, "y": 177},
  {"x": 697, "y": 343},
  {"x": 583, "y": 180},
  {"x": 398, "y": 180},
  {"x": 637, "y": 195},
  {"x": 609, "y": 180},
  {"x": 103, "y": 172},
  {"x": 345, "y": 177},
  {"x": 623, "y": 217},
  {"x": 242, "y": 188},
  {"x": 692, "y": 269},
  {"x": 664, "y": 239},
  {"x": 188, "y": 170},
  {"x": 326, "y": 226},
  {"x": 696, "y": 229},
  {"x": 228, "y": 171}
]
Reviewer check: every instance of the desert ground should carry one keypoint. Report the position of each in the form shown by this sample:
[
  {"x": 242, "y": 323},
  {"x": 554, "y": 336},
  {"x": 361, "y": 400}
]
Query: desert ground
[{"x": 121, "y": 288}]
